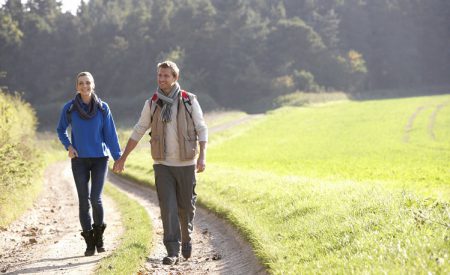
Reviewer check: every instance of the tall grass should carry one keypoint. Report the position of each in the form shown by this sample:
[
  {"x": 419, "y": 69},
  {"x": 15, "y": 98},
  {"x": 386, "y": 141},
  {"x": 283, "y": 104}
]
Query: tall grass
[
  {"x": 350, "y": 187},
  {"x": 19, "y": 159}
]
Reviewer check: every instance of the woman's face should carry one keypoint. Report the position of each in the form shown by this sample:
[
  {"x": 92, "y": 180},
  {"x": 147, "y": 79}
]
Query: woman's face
[{"x": 85, "y": 85}]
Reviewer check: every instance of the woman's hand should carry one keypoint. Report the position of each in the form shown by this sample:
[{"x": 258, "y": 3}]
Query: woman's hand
[
  {"x": 72, "y": 152},
  {"x": 119, "y": 165}
]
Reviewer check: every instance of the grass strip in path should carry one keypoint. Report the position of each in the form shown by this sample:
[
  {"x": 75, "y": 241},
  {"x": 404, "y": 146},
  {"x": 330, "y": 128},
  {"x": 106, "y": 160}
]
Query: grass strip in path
[{"x": 137, "y": 240}]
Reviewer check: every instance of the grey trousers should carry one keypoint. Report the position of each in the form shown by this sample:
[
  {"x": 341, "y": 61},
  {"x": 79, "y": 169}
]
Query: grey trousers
[{"x": 176, "y": 193}]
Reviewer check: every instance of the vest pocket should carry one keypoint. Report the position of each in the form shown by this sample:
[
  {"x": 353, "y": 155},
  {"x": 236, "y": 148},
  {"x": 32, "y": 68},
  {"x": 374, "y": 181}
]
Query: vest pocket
[
  {"x": 155, "y": 144},
  {"x": 190, "y": 147}
]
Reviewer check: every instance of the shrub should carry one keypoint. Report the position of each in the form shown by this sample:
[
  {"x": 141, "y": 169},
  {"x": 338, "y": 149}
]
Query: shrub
[
  {"x": 17, "y": 133},
  {"x": 302, "y": 98}
]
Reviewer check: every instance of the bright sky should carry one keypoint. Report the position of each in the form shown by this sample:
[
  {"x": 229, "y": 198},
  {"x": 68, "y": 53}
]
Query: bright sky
[
  {"x": 67, "y": 5},
  {"x": 70, "y": 5}
]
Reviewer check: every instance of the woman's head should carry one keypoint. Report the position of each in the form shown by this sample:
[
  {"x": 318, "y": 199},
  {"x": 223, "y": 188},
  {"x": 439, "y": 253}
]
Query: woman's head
[{"x": 85, "y": 83}]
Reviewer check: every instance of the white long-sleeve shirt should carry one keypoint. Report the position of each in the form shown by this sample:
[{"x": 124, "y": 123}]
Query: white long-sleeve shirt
[{"x": 172, "y": 153}]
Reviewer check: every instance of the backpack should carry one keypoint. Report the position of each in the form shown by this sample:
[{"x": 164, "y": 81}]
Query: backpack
[
  {"x": 185, "y": 96},
  {"x": 70, "y": 109}
]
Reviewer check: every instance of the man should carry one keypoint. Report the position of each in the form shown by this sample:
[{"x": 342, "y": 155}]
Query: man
[{"x": 176, "y": 122}]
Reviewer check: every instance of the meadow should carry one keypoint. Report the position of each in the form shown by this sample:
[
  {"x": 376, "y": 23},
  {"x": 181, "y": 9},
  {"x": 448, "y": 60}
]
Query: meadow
[{"x": 345, "y": 187}]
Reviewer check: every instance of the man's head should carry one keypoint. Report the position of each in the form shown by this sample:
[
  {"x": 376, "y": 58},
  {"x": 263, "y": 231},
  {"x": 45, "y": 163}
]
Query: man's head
[
  {"x": 168, "y": 74},
  {"x": 170, "y": 65}
]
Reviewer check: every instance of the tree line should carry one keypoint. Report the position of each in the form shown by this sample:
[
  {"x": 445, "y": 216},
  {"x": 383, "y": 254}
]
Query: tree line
[{"x": 232, "y": 53}]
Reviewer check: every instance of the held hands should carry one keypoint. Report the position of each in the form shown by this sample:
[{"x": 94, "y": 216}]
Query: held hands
[
  {"x": 119, "y": 165},
  {"x": 72, "y": 152}
]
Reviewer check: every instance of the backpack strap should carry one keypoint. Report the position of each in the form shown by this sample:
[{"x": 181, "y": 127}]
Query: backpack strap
[
  {"x": 101, "y": 106},
  {"x": 69, "y": 112},
  {"x": 152, "y": 104},
  {"x": 187, "y": 101},
  {"x": 186, "y": 97}
]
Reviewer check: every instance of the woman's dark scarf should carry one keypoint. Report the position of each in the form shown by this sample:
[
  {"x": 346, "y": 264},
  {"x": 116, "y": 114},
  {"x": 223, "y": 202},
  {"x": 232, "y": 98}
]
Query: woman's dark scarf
[
  {"x": 167, "y": 102},
  {"x": 93, "y": 106}
]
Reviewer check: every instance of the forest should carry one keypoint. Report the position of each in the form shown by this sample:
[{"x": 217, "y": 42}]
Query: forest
[{"x": 234, "y": 54}]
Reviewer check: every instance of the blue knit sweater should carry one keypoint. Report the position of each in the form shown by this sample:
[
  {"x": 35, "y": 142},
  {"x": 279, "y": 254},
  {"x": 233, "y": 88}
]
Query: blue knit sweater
[{"x": 92, "y": 138}]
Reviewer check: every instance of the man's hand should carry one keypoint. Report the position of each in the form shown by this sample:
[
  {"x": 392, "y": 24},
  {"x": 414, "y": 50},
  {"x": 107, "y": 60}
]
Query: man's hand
[
  {"x": 119, "y": 165},
  {"x": 201, "y": 161},
  {"x": 201, "y": 164}
]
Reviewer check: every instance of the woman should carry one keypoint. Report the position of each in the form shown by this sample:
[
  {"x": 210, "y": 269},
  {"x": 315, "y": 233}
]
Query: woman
[{"x": 93, "y": 134}]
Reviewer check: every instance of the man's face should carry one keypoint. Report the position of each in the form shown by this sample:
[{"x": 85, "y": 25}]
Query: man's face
[{"x": 166, "y": 79}]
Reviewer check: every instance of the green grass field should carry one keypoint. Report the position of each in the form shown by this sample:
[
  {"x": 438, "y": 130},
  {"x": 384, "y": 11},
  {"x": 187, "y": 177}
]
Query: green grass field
[{"x": 348, "y": 187}]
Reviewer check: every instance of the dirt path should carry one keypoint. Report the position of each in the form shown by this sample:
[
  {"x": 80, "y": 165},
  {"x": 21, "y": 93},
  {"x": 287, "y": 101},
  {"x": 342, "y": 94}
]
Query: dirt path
[
  {"x": 432, "y": 119},
  {"x": 410, "y": 123},
  {"x": 225, "y": 126},
  {"x": 217, "y": 247},
  {"x": 46, "y": 240}
]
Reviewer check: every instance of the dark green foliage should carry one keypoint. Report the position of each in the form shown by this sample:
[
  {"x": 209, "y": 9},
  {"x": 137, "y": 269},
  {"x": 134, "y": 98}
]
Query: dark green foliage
[
  {"x": 232, "y": 51},
  {"x": 305, "y": 81}
]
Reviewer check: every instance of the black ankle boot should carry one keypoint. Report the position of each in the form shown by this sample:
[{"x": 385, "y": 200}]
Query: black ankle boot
[
  {"x": 89, "y": 238},
  {"x": 186, "y": 250},
  {"x": 98, "y": 237}
]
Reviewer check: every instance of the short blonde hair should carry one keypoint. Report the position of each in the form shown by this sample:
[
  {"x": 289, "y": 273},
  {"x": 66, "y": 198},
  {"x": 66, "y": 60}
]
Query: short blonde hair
[
  {"x": 169, "y": 64},
  {"x": 89, "y": 75}
]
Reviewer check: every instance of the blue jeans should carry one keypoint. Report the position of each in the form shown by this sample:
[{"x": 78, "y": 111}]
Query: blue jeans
[{"x": 93, "y": 169}]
